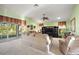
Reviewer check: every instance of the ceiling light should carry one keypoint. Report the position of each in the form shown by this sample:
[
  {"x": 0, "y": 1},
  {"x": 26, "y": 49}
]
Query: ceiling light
[
  {"x": 58, "y": 17},
  {"x": 44, "y": 17},
  {"x": 36, "y": 5}
]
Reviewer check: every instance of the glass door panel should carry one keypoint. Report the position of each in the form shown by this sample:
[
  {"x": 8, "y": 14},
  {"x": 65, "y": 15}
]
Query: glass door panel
[{"x": 7, "y": 30}]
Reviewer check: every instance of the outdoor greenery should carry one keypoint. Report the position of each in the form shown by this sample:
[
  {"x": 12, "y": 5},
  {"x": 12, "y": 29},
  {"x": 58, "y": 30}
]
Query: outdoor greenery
[{"x": 7, "y": 29}]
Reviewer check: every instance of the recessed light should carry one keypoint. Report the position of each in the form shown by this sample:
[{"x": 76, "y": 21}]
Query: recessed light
[{"x": 58, "y": 17}]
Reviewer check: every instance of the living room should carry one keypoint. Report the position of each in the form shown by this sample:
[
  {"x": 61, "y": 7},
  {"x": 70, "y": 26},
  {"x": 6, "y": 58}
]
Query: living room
[{"x": 37, "y": 22}]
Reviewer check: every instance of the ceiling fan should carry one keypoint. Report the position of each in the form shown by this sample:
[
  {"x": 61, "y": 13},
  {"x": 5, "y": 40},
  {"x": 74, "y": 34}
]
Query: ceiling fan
[{"x": 45, "y": 17}]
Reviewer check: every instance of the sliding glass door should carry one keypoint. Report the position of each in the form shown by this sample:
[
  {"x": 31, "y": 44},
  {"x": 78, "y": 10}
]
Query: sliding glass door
[{"x": 7, "y": 30}]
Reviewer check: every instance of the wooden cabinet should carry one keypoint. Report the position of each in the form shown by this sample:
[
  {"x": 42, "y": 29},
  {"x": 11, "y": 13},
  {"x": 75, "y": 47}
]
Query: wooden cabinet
[
  {"x": 61, "y": 23},
  {"x": 7, "y": 19},
  {"x": 12, "y": 20},
  {"x": 1, "y": 18}
]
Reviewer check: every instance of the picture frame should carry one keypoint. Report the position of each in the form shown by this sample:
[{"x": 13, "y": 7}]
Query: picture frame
[{"x": 73, "y": 24}]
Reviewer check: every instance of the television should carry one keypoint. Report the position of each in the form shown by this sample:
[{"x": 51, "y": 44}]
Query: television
[{"x": 51, "y": 31}]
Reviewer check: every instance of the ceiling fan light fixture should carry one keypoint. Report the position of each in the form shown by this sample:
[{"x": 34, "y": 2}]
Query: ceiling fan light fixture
[
  {"x": 44, "y": 17},
  {"x": 36, "y": 5}
]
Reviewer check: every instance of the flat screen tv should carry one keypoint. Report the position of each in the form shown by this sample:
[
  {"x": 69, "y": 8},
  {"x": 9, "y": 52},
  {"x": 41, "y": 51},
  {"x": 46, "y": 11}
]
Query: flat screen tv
[{"x": 51, "y": 31}]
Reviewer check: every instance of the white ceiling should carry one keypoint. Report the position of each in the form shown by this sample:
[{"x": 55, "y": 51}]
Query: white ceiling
[{"x": 52, "y": 11}]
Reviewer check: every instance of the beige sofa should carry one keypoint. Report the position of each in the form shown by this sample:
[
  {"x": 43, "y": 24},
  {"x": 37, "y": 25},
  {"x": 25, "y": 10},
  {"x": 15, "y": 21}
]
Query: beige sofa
[{"x": 74, "y": 48}]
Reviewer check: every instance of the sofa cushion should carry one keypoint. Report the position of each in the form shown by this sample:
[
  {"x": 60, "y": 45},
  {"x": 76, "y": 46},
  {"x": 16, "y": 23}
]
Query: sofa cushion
[
  {"x": 63, "y": 44},
  {"x": 73, "y": 48}
]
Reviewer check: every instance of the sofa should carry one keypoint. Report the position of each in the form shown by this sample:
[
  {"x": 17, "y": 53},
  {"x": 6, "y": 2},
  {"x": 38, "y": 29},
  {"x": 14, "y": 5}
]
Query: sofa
[{"x": 74, "y": 48}]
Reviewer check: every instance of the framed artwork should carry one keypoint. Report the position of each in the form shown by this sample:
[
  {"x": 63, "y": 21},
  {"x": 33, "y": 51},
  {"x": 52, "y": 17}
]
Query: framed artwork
[{"x": 73, "y": 24}]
